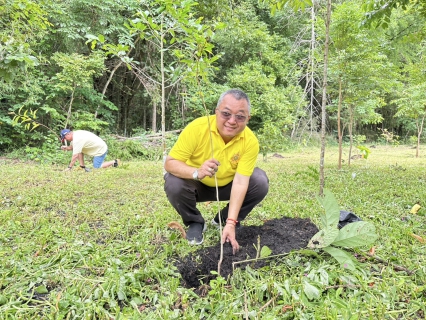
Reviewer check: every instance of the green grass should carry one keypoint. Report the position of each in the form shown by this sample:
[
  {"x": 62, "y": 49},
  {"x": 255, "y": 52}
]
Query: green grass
[{"x": 96, "y": 245}]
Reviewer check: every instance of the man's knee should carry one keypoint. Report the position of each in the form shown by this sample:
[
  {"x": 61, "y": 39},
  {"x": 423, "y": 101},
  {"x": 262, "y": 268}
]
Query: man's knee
[
  {"x": 173, "y": 186},
  {"x": 260, "y": 181}
]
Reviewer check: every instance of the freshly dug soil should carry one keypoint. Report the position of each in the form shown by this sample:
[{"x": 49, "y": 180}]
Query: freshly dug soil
[{"x": 279, "y": 235}]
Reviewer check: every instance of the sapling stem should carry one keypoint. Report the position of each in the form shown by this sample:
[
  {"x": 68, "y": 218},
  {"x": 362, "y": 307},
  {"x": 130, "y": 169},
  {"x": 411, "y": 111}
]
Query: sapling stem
[
  {"x": 217, "y": 191},
  {"x": 258, "y": 248}
]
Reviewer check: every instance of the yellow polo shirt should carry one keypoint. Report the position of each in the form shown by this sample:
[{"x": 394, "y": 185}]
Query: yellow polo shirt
[{"x": 239, "y": 155}]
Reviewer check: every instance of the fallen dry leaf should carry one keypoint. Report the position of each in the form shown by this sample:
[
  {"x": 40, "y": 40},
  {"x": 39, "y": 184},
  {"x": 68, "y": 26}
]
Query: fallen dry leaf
[
  {"x": 372, "y": 251},
  {"x": 415, "y": 236},
  {"x": 286, "y": 308}
]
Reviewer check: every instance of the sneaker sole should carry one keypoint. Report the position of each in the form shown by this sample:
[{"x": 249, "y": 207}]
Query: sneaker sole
[
  {"x": 214, "y": 223},
  {"x": 193, "y": 242}
]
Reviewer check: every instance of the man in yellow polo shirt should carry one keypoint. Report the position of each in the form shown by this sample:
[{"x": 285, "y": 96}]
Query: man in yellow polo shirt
[{"x": 192, "y": 171}]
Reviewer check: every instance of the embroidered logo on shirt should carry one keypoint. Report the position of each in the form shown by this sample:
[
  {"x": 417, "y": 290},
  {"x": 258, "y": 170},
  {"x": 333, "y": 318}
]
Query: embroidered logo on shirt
[{"x": 234, "y": 160}]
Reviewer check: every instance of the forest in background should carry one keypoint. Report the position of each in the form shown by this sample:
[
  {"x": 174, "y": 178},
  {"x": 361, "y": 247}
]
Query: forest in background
[{"x": 117, "y": 67}]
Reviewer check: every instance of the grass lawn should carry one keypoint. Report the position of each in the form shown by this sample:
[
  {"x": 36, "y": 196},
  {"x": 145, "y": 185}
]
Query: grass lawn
[{"x": 77, "y": 245}]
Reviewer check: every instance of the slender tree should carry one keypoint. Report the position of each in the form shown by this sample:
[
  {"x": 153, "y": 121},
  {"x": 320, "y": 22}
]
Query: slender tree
[
  {"x": 360, "y": 72},
  {"x": 300, "y": 5},
  {"x": 171, "y": 28},
  {"x": 412, "y": 101},
  {"x": 324, "y": 97}
]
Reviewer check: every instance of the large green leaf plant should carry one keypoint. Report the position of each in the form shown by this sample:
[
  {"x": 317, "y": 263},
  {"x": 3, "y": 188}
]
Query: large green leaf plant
[{"x": 332, "y": 240}]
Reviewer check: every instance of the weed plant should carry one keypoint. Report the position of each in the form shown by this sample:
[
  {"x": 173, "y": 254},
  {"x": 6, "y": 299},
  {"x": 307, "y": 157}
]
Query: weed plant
[{"x": 77, "y": 245}]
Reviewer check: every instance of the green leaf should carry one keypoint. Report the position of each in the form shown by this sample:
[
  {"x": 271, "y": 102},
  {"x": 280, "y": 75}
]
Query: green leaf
[
  {"x": 265, "y": 252},
  {"x": 323, "y": 238},
  {"x": 41, "y": 289},
  {"x": 356, "y": 234},
  {"x": 345, "y": 259},
  {"x": 332, "y": 210},
  {"x": 121, "y": 295},
  {"x": 311, "y": 291},
  {"x": 308, "y": 253}
]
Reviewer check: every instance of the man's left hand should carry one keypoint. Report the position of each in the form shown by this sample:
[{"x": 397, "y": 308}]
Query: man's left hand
[{"x": 228, "y": 235}]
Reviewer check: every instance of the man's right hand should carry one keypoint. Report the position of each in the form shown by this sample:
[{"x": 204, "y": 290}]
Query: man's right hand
[
  {"x": 228, "y": 235},
  {"x": 208, "y": 168}
]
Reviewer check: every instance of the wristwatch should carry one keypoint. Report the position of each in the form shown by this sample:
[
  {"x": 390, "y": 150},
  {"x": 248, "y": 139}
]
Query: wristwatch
[{"x": 195, "y": 175}]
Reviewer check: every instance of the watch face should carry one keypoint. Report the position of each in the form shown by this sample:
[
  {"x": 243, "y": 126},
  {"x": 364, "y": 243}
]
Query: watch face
[{"x": 195, "y": 175}]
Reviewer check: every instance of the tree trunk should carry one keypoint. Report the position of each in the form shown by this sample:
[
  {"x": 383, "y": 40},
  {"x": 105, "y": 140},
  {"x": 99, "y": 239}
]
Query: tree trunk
[
  {"x": 350, "y": 131},
  {"x": 312, "y": 75},
  {"x": 144, "y": 119},
  {"x": 107, "y": 83},
  {"x": 324, "y": 96},
  {"x": 163, "y": 98},
  {"x": 419, "y": 134},
  {"x": 309, "y": 88},
  {"x": 126, "y": 117},
  {"x": 154, "y": 116},
  {"x": 70, "y": 107},
  {"x": 339, "y": 129},
  {"x": 163, "y": 101}
]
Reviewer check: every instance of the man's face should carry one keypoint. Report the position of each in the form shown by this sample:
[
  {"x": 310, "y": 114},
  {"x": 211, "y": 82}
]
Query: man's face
[
  {"x": 68, "y": 136},
  {"x": 232, "y": 117}
]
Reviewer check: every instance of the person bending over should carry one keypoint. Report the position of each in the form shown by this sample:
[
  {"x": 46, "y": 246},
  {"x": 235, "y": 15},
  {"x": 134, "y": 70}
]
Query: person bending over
[
  {"x": 85, "y": 142},
  {"x": 191, "y": 170}
]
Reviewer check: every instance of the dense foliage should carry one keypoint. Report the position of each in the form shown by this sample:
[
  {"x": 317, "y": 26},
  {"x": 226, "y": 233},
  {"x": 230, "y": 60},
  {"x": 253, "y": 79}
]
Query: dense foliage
[{"x": 120, "y": 66}]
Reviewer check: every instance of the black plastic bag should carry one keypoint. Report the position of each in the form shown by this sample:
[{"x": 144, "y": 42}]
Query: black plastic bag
[{"x": 347, "y": 217}]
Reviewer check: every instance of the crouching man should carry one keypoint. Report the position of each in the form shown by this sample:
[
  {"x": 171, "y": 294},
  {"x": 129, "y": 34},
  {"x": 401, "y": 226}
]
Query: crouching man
[
  {"x": 191, "y": 169},
  {"x": 84, "y": 142}
]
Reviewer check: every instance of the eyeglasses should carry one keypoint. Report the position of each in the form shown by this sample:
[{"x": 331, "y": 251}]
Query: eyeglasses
[{"x": 226, "y": 116}]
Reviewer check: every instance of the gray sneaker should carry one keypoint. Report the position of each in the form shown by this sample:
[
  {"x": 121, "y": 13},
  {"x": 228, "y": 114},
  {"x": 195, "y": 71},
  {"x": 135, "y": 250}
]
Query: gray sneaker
[
  {"x": 194, "y": 235},
  {"x": 216, "y": 224}
]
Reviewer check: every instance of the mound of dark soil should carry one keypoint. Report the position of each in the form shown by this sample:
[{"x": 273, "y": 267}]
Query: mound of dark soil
[{"x": 279, "y": 235}]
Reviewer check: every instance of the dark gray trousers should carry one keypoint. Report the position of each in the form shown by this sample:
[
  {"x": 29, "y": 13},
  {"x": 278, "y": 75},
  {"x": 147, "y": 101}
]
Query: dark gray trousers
[{"x": 184, "y": 194}]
